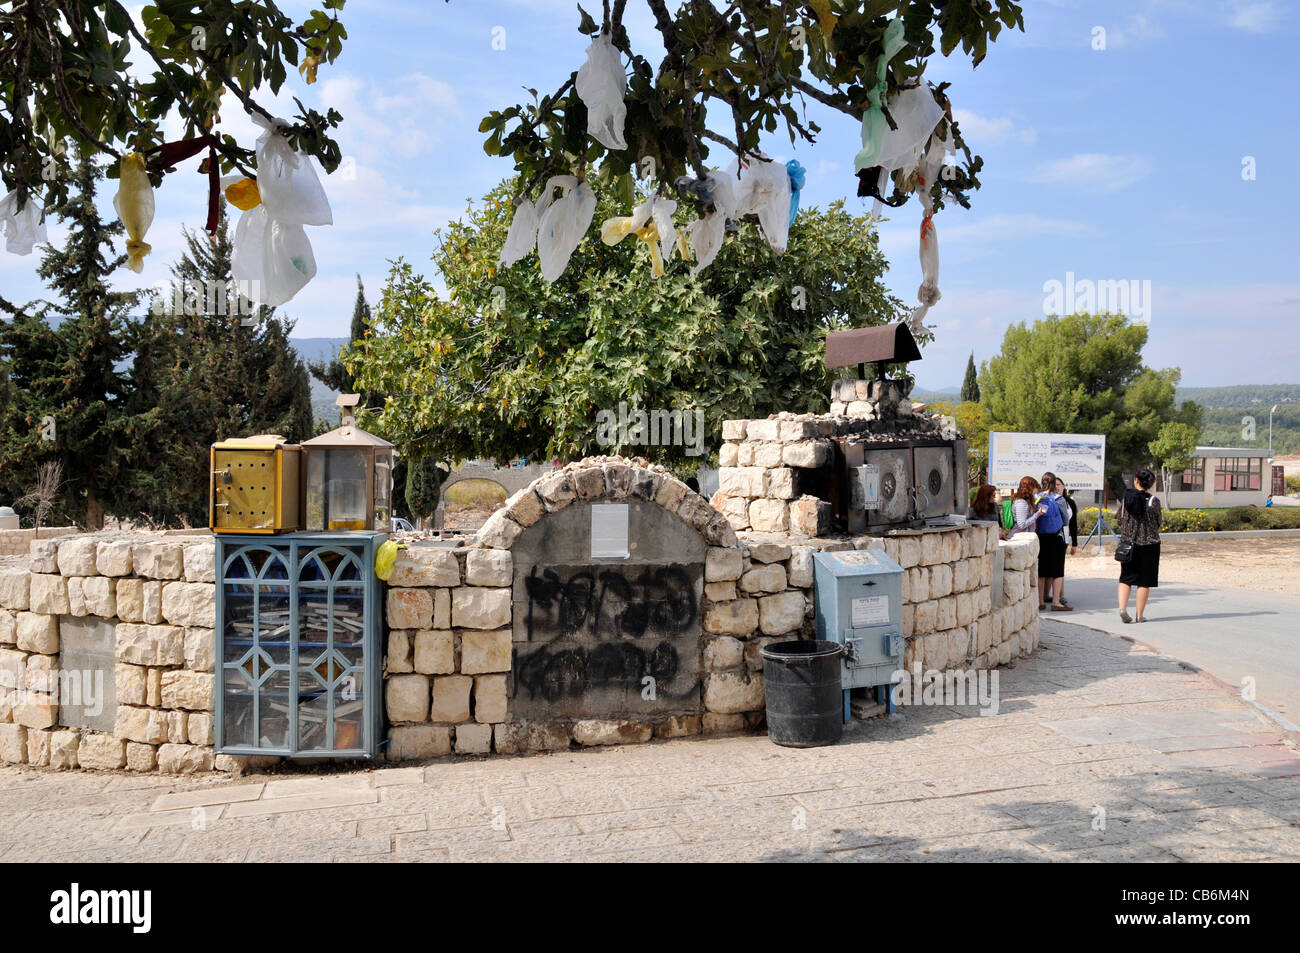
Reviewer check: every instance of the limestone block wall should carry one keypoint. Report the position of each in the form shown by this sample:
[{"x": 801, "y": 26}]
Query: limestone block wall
[
  {"x": 156, "y": 596},
  {"x": 17, "y": 542}
]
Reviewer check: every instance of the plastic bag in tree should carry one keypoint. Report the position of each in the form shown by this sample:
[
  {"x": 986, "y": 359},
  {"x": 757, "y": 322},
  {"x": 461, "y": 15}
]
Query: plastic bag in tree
[
  {"x": 652, "y": 223},
  {"x": 874, "y": 125},
  {"x": 765, "y": 191},
  {"x": 522, "y": 236},
  {"x": 286, "y": 180},
  {"x": 798, "y": 178},
  {"x": 134, "y": 206},
  {"x": 271, "y": 261},
  {"x": 916, "y": 112},
  {"x": 601, "y": 85},
  {"x": 241, "y": 192},
  {"x": 563, "y": 224},
  {"x": 23, "y": 227},
  {"x": 708, "y": 232}
]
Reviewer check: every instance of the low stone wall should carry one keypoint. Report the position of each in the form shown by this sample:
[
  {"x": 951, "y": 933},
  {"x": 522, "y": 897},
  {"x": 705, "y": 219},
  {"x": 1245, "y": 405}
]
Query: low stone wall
[
  {"x": 17, "y": 542},
  {"x": 451, "y": 639},
  {"x": 155, "y": 599}
]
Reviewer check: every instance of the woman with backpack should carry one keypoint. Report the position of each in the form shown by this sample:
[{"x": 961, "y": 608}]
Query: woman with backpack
[
  {"x": 1138, "y": 551},
  {"x": 1051, "y": 546},
  {"x": 1024, "y": 511}
]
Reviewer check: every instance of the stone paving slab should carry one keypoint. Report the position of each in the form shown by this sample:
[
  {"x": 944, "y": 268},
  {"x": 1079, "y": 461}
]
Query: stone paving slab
[{"x": 1101, "y": 751}]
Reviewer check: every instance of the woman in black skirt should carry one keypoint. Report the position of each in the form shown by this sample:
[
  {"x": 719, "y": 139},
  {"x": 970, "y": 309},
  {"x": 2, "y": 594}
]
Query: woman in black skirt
[{"x": 1139, "y": 524}]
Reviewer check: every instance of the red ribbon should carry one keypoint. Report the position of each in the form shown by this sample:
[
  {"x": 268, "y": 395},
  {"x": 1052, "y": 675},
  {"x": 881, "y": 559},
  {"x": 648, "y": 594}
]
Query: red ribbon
[{"x": 170, "y": 153}]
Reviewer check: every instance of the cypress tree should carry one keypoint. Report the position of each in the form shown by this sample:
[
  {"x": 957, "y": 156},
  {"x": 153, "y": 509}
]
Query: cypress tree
[
  {"x": 970, "y": 388},
  {"x": 423, "y": 480}
]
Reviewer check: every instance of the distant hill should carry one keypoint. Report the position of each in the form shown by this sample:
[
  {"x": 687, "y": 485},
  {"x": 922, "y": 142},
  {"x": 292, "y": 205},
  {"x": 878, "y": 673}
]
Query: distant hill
[{"x": 1238, "y": 416}]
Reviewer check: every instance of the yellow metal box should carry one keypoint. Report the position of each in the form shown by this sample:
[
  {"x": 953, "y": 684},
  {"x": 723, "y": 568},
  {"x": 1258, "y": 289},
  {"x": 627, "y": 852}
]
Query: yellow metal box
[{"x": 256, "y": 484}]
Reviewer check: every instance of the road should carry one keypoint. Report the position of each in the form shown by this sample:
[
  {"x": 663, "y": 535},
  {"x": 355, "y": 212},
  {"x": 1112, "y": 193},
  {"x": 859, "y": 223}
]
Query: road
[{"x": 1233, "y": 634}]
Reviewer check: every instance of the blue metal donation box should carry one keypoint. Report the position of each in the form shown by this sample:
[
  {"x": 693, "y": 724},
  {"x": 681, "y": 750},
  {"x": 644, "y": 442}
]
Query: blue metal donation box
[{"x": 859, "y": 598}]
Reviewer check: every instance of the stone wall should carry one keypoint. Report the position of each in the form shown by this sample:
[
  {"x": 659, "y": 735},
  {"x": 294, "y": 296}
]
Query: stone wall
[
  {"x": 156, "y": 599},
  {"x": 969, "y": 601},
  {"x": 451, "y": 642},
  {"x": 17, "y": 542}
]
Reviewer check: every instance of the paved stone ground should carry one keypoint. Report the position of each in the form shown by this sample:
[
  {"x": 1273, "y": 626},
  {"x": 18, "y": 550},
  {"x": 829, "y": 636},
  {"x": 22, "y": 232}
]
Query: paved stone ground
[{"x": 1181, "y": 769}]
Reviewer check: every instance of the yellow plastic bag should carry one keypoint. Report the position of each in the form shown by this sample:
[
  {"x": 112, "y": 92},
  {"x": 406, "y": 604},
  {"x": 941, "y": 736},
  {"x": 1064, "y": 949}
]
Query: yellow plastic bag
[
  {"x": 242, "y": 192},
  {"x": 134, "y": 206},
  {"x": 386, "y": 559}
]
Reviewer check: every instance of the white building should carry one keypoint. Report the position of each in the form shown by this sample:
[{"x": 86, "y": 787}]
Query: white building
[{"x": 1222, "y": 476}]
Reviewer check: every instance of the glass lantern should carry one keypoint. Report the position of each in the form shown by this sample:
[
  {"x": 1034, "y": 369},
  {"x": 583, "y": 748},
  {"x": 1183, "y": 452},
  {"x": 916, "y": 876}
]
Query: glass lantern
[{"x": 349, "y": 478}]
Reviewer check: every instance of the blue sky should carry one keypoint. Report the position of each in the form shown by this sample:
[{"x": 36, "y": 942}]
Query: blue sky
[{"x": 1121, "y": 164}]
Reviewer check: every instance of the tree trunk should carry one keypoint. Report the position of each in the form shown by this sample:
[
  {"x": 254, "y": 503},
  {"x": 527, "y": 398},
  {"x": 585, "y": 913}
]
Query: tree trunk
[{"x": 94, "y": 512}]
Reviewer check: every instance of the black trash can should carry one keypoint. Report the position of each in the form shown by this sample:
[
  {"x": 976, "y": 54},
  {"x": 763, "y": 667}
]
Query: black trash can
[{"x": 805, "y": 702}]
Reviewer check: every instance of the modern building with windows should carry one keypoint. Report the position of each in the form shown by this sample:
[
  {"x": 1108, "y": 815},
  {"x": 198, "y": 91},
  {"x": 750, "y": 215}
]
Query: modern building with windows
[{"x": 1222, "y": 476}]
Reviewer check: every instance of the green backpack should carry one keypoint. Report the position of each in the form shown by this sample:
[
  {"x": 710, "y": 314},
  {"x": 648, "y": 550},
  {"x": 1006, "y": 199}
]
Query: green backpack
[{"x": 1008, "y": 515}]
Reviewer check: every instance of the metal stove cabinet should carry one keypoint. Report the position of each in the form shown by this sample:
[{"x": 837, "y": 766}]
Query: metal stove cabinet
[
  {"x": 299, "y": 651},
  {"x": 859, "y": 601}
]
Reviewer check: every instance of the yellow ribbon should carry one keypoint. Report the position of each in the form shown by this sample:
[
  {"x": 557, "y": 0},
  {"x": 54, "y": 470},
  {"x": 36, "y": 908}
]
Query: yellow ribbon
[
  {"x": 243, "y": 194},
  {"x": 614, "y": 230}
]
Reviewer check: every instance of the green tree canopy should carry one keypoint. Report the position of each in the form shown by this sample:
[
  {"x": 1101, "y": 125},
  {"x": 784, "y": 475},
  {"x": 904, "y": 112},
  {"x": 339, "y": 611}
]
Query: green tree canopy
[
  {"x": 1083, "y": 373},
  {"x": 737, "y": 71},
  {"x": 1172, "y": 450},
  {"x": 82, "y": 72},
  {"x": 65, "y": 398},
  {"x": 509, "y": 365}
]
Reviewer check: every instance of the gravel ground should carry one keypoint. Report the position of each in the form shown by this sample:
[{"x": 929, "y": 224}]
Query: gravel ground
[{"x": 1260, "y": 564}]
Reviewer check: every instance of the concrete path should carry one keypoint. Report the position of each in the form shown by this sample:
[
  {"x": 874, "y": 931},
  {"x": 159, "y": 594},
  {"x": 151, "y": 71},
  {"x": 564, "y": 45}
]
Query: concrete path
[
  {"x": 1101, "y": 750},
  {"x": 1233, "y": 634}
]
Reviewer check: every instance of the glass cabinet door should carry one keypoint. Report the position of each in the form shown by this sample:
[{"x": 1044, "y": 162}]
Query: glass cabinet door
[
  {"x": 256, "y": 669},
  {"x": 331, "y": 653}
]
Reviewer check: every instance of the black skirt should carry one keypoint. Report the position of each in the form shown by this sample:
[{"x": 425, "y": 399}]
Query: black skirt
[
  {"x": 1051, "y": 556},
  {"x": 1143, "y": 570}
]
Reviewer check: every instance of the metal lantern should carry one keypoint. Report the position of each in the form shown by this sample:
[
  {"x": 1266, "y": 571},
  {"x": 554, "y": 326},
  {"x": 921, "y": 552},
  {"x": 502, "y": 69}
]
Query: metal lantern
[{"x": 349, "y": 477}]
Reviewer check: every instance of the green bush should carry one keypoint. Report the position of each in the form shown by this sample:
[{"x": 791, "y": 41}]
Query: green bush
[{"x": 1207, "y": 521}]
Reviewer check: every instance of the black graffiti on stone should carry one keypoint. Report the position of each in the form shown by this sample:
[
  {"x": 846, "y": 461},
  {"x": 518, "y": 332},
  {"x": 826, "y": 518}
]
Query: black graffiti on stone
[
  {"x": 624, "y": 602},
  {"x": 571, "y": 672}
]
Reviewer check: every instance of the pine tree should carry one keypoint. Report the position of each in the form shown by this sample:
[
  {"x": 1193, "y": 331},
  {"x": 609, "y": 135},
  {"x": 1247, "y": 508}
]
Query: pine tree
[
  {"x": 210, "y": 365},
  {"x": 333, "y": 374},
  {"x": 970, "y": 388},
  {"x": 65, "y": 400}
]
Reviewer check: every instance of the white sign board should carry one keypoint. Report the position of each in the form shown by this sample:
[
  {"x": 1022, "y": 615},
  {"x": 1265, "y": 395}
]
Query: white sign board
[
  {"x": 870, "y": 610},
  {"x": 1078, "y": 459},
  {"x": 609, "y": 531}
]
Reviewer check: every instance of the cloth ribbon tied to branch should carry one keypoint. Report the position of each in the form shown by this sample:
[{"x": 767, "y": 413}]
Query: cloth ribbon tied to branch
[{"x": 798, "y": 177}]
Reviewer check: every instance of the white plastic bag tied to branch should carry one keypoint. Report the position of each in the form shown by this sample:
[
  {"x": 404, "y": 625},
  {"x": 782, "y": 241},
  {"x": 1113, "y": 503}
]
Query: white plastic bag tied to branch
[
  {"x": 272, "y": 258},
  {"x": 286, "y": 180},
  {"x": 23, "y": 227},
  {"x": 602, "y": 85},
  {"x": 708, "y": 232},
  {"x": 271, "y": 261},
  {"x": 563, "y": 224},
  {"x": 874, "y": 125},
  {"x": 135, "y": 207},
  {"x": 765, "y": 191}
]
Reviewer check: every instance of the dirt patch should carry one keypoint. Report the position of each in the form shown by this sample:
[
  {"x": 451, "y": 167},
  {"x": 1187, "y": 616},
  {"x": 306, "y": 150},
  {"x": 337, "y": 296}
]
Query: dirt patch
[{"x": 1260, "y": 564}]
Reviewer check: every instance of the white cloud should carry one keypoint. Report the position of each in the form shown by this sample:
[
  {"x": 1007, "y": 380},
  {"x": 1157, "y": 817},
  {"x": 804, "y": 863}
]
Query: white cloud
[
  {"x": 1254, "y": 17},
  {"x": 979, "y": 130},
  {"x": 1094, "y": 171},
  {"x": 381, "y": 123}
]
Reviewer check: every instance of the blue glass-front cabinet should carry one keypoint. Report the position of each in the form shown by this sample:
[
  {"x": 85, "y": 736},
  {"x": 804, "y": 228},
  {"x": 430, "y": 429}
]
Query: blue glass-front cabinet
[{"x": 299, "y": 650}]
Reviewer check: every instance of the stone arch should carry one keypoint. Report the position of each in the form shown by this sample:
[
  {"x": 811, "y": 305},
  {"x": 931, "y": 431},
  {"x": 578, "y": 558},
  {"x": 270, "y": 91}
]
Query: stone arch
[
  {"x": 510, "y": 479},
  {"x": 614, "y": 639}
]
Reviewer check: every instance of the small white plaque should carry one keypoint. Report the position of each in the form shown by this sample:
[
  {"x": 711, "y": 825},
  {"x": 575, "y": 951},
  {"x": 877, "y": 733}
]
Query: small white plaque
[
  {"x": 870, "y": 610},
  {"x": 609, "y": 531}
]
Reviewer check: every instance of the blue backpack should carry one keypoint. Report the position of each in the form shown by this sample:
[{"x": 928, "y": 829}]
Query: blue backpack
[{"x": 1051, "y": 521}]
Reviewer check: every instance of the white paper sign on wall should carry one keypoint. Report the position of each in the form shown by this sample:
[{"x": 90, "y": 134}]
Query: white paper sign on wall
[{"x": 609, "y": 531}]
